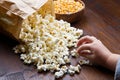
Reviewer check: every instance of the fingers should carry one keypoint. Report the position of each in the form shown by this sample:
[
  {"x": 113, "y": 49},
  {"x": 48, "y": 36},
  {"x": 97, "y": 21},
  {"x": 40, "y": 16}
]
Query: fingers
[
  {"x": 88, "y": 54},
  {"x": 86, "y": 51},
  {"x": 83, "y": 47},
  {"x": 86, "y": 45},
  {"x": 85, "y": 39}
]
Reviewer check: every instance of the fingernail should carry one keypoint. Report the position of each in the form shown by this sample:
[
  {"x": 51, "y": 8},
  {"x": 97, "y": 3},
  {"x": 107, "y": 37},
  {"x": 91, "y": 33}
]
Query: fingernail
[{"x": 85, "y": 51}]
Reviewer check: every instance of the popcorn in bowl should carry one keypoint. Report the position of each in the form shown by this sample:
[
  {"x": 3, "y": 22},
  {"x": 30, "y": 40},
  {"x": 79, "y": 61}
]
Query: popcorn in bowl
[
  {"x": 69, "y": 10},
  {"x": 67, "y": 6}
]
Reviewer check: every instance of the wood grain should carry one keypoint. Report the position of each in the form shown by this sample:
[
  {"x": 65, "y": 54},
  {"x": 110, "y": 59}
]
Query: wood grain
[{"x": 101, "y": 19}]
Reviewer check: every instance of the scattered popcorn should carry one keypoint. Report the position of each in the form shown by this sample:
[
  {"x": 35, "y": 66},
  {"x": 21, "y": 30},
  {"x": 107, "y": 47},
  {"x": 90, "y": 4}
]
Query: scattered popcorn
[
  {"x": 46, "y": 44},
  {"x": 82, "y": 62},
  {"x": 59, "y": 74},
  {"x": 19, "y": 49},
  {"x": 73, "y": 69}
]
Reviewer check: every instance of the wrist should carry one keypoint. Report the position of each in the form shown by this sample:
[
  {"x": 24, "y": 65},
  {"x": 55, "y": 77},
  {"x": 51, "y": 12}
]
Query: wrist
[{"x": 112, "y": 61}]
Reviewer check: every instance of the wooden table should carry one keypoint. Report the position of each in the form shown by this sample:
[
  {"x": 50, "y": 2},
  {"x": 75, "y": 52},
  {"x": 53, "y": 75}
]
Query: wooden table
[{"x": 101, "y": 19}]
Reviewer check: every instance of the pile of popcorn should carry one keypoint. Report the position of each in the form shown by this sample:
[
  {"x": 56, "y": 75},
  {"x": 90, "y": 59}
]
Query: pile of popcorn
[{"x": 46, "y": 44}]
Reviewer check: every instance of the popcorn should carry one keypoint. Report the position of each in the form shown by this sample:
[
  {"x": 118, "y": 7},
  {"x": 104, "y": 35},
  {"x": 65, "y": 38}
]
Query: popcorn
[
  {"x": 43, "y": 67},
  {"x": 67, "y": 6},
  {"x": 59, "y": 74},
  {"x": 66, "y": 59},
  {"x": 73, "y": 69},
  {"x": 46, "y": 44},
  {"x": 19, "y": 49},
  {"x": 60, "y": 61},
  {"x": 74, "y": 53},
  {"x": 64, "y": 69},
  {"x": 71, "y": 72},
  {"x": 82, "y": 62}
]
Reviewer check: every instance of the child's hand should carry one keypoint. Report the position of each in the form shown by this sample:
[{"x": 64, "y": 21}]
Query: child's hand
[{"x": 94, "y": 50}]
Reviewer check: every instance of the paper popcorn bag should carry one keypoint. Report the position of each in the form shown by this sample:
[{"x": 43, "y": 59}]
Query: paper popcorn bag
[{"x": 14, "y": 12}]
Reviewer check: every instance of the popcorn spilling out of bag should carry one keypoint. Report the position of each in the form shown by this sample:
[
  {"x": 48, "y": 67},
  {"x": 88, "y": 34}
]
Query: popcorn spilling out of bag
[{"x": 46, "y": 44}]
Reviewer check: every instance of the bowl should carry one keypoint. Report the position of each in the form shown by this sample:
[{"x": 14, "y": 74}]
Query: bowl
[{"x": 72, "y": 17}]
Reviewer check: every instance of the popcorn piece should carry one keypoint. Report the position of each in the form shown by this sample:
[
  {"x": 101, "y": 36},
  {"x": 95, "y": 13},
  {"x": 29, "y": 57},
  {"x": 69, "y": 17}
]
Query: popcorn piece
[
  {"x": 59, "y": 74},
  {"x": 64, "y": 69},
  {"x": 73, "y": 69},
  {"x": 20, "y": 49},
  {"x": 66, "y": 59},
  {"x": 53, "y": 67},
  {"x": 74, "y": 53},
  {"x": 82, "y": 62},
  {"x": 71, "y": 72},
  {"x": 43, "y": 67},
  {"x": 60, "y": 61}
]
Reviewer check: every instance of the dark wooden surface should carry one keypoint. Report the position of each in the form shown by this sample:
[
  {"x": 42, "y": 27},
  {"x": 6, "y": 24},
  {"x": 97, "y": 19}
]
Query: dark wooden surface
[{"x": 101, "y": 19}]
